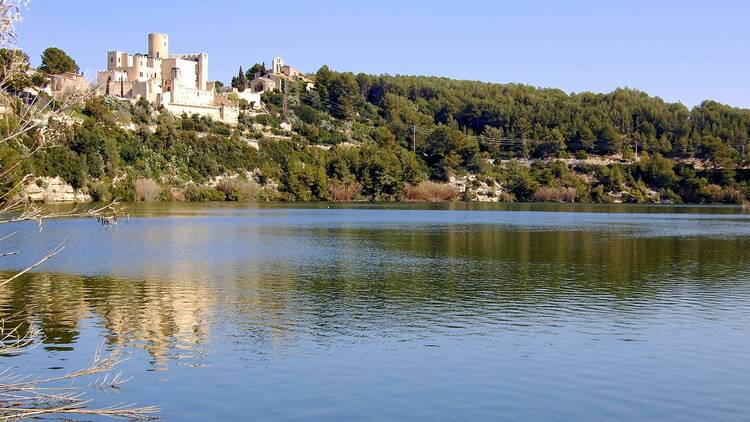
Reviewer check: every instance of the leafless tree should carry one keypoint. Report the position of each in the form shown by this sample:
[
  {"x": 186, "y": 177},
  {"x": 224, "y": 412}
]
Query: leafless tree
[{"x": 32, "y": 125}]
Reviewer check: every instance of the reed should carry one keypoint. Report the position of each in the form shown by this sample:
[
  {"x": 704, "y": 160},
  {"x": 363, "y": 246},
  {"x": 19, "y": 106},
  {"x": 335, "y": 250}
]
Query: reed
[{"x": 431, "y": 192}]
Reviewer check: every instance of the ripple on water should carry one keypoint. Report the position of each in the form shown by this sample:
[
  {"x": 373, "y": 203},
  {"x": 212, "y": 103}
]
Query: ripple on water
[{"x": 427, "y": 314}]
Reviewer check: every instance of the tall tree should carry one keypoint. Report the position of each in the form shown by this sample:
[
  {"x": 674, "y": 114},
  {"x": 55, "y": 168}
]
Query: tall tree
[
  {"x": 323, "y": 80},
  {"x": 56, "y": 61},
  {"x": 240, "y": 80},
  {"x": 719, "y": 153},
  {"x": 343, "y": 95},
  {"x": 256, "y": 68}
]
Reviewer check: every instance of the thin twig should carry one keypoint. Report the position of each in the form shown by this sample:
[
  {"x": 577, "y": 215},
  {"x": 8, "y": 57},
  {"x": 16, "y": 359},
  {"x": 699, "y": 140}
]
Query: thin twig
[{"x": 59, "y": 248}]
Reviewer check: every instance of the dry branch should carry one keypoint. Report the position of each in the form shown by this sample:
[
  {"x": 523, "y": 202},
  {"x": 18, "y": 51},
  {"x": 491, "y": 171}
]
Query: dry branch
[
  {"x": 27, "y": 396},
  {"x": 37, "y": 125}
]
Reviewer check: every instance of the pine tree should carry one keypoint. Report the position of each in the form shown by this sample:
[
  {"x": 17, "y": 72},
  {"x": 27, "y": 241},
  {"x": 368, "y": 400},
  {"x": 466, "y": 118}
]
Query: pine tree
[{"x": 240, "y": 80}]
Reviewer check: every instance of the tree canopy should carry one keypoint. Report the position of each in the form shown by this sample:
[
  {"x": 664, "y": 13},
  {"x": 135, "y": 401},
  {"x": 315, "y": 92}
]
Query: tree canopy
[
  {"x": 56, "y": 61},
  {"x": 540, "y": 122},
  {"x": 259, "y": 68},
  {"x": 239, "y": 81}
]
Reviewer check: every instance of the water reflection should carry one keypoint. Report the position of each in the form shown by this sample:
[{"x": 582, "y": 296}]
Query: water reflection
[
  {"x": 496, "y": 306},
  {"x": 279, "y": 282},
  {"x": 166, "y": 319}
]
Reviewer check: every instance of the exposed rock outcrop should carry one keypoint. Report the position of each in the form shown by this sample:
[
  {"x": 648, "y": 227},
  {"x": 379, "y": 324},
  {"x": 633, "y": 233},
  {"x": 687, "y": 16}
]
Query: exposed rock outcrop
[
  {"x": 479, "y": 190},
  {"x": 52, "y": 189}
]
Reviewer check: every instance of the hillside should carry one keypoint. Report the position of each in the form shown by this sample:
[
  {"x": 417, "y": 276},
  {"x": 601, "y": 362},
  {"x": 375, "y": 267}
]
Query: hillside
[
  {"x": 364, "y": 137},
  {"x": 552, "y": 122}
]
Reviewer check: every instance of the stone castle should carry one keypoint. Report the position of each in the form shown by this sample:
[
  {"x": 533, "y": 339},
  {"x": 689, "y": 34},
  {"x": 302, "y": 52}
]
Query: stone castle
[{"x": 179, "y": 82}]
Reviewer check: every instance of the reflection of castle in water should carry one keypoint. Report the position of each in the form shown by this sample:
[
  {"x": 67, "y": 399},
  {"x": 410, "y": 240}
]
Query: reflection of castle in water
[
  {"x": 161, "y": 317},
  {"x": 326, "y": 285},
  {"x": 169, "y": 318},
  {"x": 165, "y": 306}
]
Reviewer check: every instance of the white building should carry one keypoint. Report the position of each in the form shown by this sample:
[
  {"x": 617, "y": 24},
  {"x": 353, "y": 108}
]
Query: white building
[{"x": 179, "y": 82}]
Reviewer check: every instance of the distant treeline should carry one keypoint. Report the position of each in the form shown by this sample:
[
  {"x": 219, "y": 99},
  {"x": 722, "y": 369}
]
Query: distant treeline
[{"x": 552, "y": 121}]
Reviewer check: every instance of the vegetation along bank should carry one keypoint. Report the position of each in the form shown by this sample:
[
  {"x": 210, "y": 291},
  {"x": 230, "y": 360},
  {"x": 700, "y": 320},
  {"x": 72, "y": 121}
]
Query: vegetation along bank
[{"x": 394, "y": 138}]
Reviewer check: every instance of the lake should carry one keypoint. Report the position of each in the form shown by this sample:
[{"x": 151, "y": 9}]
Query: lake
[{"x": 400, "y": 311}]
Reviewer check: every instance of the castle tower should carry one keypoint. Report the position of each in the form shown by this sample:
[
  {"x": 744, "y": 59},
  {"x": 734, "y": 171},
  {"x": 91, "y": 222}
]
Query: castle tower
[
  {"x": 276, "y": 65},
  {"x": 113, "y": 59},
  {"x": 158, "y": 46},
  {"x": 202, "y": 71}
]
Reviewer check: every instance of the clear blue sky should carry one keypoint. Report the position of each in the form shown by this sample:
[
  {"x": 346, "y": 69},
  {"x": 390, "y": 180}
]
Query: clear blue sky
[{"x": 684, "y": 51}]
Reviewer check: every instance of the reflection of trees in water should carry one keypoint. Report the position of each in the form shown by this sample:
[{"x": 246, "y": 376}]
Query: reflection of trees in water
[
  {"x": 377, "y": 282},
  {"x": 476, "y": 274},
  {"x": 387, "y": 280},
  {"x": 584, "y": 261}
]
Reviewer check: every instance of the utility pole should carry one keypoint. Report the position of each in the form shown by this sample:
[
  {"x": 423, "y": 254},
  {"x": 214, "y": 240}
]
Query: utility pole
[
  {"x": 414, "y": 138},
  {"x": 286, "y": 94}
]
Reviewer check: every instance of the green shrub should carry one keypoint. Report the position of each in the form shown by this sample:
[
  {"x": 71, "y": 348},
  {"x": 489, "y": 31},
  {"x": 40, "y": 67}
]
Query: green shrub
[
  {"x": 203, "y": 194},
  {"x": 99, "y": 192}
]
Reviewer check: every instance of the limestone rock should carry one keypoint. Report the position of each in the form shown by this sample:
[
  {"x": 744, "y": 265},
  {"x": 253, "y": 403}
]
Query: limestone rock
[{"x": 52, "y": 189}]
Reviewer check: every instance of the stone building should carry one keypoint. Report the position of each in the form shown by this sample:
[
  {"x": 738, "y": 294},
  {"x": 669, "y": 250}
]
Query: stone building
[
  {"x": 263, "y": 83},
  {"x": 279, "y": 72},
  {"x": 64, "y": 83},
  {"x": 232, "y": 96},
  {"x": 278, "y": 67},
  {"x": 179, "y": 82}
]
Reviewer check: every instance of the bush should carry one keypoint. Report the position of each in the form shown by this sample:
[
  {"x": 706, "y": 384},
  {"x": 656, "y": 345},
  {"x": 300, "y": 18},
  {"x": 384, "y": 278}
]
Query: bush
[
  {"x": 519, "y": 181},
  {"x": 717, "y": 195},
  {"x": 431, "y": 191},
  {"x": 598, "y": 195},
  {"x": 123, "y": 191},
  {"x": 344, "y": 191},
  {"x": 671, "y": 197},
  {"x": 98, "y": 192},
  {"x": 733, "y": 196},
  {"x": 506, "y": 197},
  {"x": 550, "y": 194},
  {"x": 199, "y": 194},
  {"x": 146, "y": 190},
  {"x": 238, "y": 189},
  {"x": 267, "y": 120}
]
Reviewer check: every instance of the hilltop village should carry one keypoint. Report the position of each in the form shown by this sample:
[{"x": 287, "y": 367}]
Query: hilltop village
[
  {"x": 177, "y": 82},
  {"x": 155, "y": 126}
]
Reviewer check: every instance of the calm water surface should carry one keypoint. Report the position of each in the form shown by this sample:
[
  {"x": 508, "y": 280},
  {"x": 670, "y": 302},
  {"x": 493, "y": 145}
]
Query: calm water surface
[{"x": 374, "y": 312}]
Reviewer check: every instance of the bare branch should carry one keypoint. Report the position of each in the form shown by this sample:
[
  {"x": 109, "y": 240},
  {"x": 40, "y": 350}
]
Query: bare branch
[
  {"x": 59, "y": 248},
  {"x": 26, "y": 396},
  {"x": 13, "y": 340},
  {"x": 29, "y": 127},
  {"x": 105, "y": 215}
]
